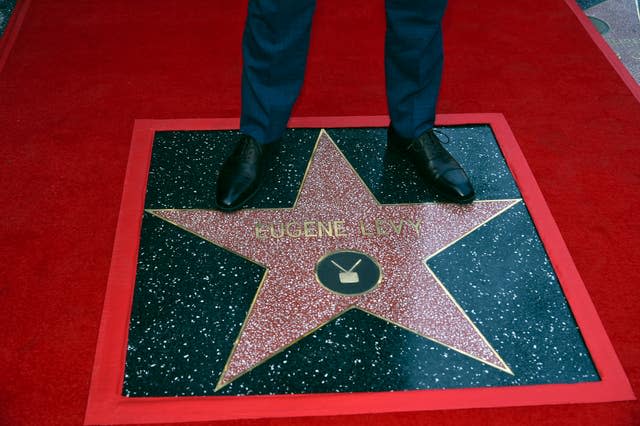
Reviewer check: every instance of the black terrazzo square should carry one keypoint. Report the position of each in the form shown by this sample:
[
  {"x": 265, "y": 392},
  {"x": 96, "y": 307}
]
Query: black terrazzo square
[{"x": 191, "y": 297}]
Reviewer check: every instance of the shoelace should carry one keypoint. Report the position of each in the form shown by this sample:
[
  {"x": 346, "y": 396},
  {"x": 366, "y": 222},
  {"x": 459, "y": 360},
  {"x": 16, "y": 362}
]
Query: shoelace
[
  {"x": 431, "y": 140},
  {"x": 248, "y": 150}
]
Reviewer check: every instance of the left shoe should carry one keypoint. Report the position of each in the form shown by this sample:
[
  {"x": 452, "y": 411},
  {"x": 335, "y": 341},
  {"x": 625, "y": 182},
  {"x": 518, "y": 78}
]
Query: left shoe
[
  {"x": 435, "y": 164},
  {"x": 242, "y": 173}
]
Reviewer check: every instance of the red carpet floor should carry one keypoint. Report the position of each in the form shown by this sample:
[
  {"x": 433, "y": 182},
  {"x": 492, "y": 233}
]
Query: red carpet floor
[{"x": 80, "y": 72}]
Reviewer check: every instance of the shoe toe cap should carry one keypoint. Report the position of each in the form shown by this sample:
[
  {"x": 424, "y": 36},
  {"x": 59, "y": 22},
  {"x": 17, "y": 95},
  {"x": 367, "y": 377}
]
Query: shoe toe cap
[
  {"x": 233, "y": 193},
  {"x": 455, "y": 185}
]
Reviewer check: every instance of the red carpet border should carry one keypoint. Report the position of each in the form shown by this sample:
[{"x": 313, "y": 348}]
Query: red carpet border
[{"x": 79, "y": 74}]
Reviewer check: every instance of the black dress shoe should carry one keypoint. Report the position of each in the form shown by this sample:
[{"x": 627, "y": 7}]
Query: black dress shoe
[
  {"x": 241, "y": 174},
  {"x": 433, "y": 162}
]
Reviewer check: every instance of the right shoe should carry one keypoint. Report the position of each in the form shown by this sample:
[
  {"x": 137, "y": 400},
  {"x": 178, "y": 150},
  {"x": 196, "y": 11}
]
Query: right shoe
[
  {"x": 435, "y": 164},
  {"x": 242, "y": 173}
]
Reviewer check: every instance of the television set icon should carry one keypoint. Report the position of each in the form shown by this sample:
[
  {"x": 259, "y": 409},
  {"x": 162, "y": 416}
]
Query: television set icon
[
  {"x": 348, "y": 276},
  {"x": 361, "y": 275}
]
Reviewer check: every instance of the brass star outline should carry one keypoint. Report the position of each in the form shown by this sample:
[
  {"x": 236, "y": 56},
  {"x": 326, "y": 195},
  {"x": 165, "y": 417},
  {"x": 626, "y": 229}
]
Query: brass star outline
[{"x": 165, "y": 214}]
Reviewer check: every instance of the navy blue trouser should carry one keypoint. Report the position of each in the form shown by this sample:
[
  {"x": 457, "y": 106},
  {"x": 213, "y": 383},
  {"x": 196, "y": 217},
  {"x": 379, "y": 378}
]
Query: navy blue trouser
[{"x": 274, "y": 51}]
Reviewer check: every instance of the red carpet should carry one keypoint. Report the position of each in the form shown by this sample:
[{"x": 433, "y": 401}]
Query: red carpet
[{"x": 80, "y": 72}]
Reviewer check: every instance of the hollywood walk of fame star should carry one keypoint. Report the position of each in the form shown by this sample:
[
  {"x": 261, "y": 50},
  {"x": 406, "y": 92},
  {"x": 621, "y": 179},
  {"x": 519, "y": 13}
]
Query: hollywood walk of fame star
[{"x": 336, "y": 212}]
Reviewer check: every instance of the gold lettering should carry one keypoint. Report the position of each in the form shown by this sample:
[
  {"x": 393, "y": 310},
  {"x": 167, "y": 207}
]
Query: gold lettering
[
  {"x": 312, "y": 228},
  {"x": 363, "y": 230},
  {"x": 261, "y": 231},
  {"x": 293, "y": 229},
  {"x": 326, "y": 228},
  {"x": 379, "y": 229},
  {"x": 280, "y": 232},
  {"x": 397, "y": 228},
  {"x": 415, "y": 225},
  {"x": 309, "y": 230}
]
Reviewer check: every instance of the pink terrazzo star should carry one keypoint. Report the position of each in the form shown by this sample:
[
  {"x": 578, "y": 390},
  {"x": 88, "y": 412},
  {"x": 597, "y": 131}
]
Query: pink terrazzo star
[{"x": 336, "y": 211}]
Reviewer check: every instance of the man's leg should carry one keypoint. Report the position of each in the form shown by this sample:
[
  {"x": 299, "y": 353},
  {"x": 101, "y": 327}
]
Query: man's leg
[
  {"x": 274, "y": 52},
  {"x": 413, "y": 63},
  {"x": 413, "y": 66}
]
